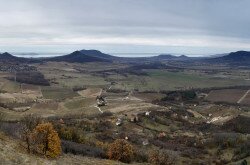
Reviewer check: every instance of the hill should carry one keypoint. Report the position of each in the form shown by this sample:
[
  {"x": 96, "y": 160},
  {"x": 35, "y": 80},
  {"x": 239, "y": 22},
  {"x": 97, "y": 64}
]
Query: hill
[
  {"x": 8, "y": 57},
  {"x": 99, "y": 54},
  {"x": 239, "y": 58},
  {"x": 12, "y": 63},
  {"x": 10, "y": 147},
  {"x": 82, "y": 56},
  {"x": 171, "y": 57}
]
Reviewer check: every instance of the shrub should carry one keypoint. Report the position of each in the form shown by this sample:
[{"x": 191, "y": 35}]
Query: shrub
[
  {"x": 78, "y": 88},
  {"x": 102, "y": 126},
  {"x": 71, "y": 134},
  {"x": 244, "y": 162},
  {"x": 47, "y": 140},
  {"x": 161, "y": 157},
  {"x": 121, "y": 150},
  {"x": 105, "y": 136},
  {"x": 82, "y": 149},
  {"x": 140, "y": 156},
  {"x": 242, "y": 152},
  {"x": 103, "y": 145},
  {"x": 31, "y": 121}
]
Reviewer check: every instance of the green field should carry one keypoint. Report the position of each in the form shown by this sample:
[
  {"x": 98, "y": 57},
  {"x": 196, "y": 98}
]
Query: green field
[{"x": 164, "y": 80}]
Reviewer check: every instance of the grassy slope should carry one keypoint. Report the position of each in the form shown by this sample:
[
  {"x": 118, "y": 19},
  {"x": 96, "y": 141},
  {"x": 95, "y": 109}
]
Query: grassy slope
[{"x": 11, "y": 152}]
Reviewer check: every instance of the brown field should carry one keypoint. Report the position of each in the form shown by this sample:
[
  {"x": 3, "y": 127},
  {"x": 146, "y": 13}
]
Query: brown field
[
  {"x": 9, "y": 86},
  {"x": 90, "y": 92},
  {"x": 29, "y": 87},
  {"x": 58, "y": 93},
  {"x": 225, "y": 95},
  {"x": 49, "y": 105},
  {"x": 149, "y": 97},
  {"x": 246, "y": 101}
]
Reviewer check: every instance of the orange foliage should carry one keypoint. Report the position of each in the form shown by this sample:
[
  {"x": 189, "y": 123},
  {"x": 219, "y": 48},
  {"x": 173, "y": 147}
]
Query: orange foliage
[
  {"x": 47, "y": 140},
  {"x": 121, "y": 150},
  {"x": 161, "y": 157}
]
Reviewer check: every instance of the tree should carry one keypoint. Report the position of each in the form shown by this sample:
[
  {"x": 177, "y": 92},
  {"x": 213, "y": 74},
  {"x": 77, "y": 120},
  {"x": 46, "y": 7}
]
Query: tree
[
  {"x": 121, "y": 150},
  {"x": 29, "y": 124},
  {"x": 161, "y": 157},
  {"x": 47, "y": 140}
]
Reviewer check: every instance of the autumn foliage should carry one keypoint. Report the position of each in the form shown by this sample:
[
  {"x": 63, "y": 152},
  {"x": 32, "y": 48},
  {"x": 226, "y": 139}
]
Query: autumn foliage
[
  {"x": 46, "y": 140},
  {"x": 121, "y": 150},
  {"x": 161, "y": 157}
]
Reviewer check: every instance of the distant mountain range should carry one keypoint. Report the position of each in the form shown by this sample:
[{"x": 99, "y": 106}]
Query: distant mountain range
[
  {"x": 8, "y": 58},
  {"x": 82, "y": 56},
  {"x": 239, "y": 58}
]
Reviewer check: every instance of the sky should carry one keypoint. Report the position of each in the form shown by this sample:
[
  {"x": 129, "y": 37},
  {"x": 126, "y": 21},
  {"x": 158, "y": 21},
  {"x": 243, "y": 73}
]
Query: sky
[{"x": 128, "y": 27}]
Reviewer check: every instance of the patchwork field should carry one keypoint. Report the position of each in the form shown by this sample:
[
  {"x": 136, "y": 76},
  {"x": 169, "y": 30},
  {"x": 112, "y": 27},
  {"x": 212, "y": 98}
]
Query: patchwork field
[
  {"x": 134, "y": 109},
  {"x": 164, "y": 80},
  {"x": 226, "y": 95},
  {"x": 9, "y": 86},
  {"x": 246, "y": 99},
  {"x": 58, "y": 93}
]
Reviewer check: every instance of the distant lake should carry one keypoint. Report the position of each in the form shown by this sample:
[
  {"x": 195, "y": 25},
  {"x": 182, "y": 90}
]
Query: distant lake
[{"x": 38, "y": 55}]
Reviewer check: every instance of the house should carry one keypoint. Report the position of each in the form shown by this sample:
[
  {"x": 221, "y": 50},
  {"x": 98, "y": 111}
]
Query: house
[
  {"x": 147, "y": 113},
  {"x": 134, "y": 118},
  {"x": 101, "y": 101},
  {"x": 145, "y": 142},
  {"x": 118, "y": 122}
]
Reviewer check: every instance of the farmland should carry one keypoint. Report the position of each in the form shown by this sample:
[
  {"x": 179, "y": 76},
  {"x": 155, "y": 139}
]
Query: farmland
[
  {"x": 57, "y": 93},
  {"x": 164, "y": 80},
  {"x": 152, "y": 108},
  {"x": 226, "y": 95}
]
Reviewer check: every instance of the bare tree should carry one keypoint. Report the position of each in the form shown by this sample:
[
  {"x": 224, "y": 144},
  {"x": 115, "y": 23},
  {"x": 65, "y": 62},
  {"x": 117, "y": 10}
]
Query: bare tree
[{"x": 29, "y": 123}]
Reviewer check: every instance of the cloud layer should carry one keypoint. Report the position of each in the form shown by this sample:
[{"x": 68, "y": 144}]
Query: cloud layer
[{"x": 180, "y": 26}]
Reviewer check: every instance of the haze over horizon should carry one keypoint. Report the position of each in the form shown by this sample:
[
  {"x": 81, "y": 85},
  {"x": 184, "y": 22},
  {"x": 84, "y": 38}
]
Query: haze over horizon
[{"x": 177, "y": 27}]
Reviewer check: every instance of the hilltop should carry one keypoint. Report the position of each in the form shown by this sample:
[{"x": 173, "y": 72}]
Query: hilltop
[{"x": 239, "y": 58}]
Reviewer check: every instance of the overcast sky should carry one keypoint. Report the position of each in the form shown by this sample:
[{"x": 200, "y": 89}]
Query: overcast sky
[{"x": 193, "y": 27}]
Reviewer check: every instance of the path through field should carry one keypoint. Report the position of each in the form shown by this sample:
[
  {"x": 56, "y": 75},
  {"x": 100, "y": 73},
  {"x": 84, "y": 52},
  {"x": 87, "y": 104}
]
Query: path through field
[
  {"x": 243, "y": 97},
  {"x": 98, "y": 108}
]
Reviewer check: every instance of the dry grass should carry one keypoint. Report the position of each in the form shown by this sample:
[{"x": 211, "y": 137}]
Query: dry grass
[
  {"x": 12, "y": 153},
  {"x": 226, "y": 95}
]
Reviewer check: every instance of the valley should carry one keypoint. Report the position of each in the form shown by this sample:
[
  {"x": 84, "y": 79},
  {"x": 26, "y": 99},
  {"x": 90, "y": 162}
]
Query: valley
[{"x": 196, "y": 113}]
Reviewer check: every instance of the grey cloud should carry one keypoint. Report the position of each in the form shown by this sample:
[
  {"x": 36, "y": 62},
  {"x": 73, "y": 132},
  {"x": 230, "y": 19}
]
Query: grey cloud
[{"x": 46, "y": 20}]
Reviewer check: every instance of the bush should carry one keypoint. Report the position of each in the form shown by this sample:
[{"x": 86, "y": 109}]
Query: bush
[
  {"x": 161, "y": 157},
  {"x": 140, "y": 156},
  {"x": 242, "y": 152},
  {"x": 78, "y": 88},
  {"x": 46, "y": 140},
  {"x": 103, "y": 145},
  {"x": 82, "y": 149},
  {"x": 121, "y": 150},
  {"x": 31, "y": 121},
  {"x": 71, "y": 134},
  {"x": 102, "y": 125}
]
